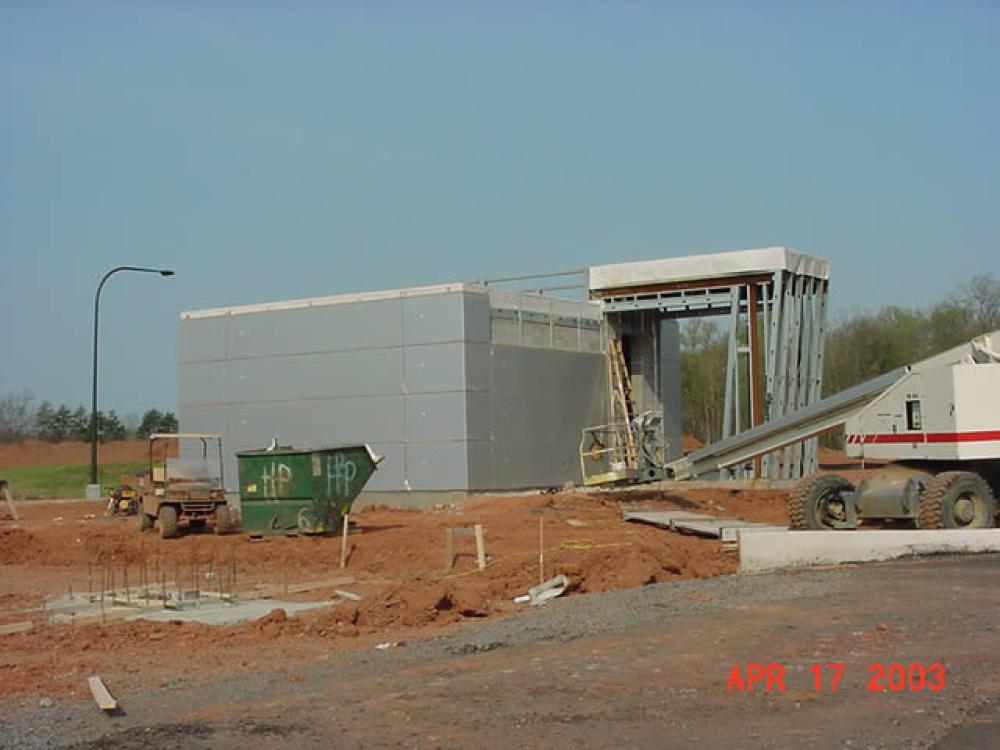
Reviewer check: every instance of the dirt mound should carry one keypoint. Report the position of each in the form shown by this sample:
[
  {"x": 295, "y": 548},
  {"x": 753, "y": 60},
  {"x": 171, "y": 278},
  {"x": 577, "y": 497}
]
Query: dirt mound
[
  {"x": 644, "y": 561},
  {"x": 422, "y": 603},
  {"x": 18, "y": 547},
  {"x": 70, "y": 452}
]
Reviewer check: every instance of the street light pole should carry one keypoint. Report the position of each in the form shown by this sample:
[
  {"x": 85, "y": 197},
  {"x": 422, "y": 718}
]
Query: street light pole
[{"x": 94, "y": 489}]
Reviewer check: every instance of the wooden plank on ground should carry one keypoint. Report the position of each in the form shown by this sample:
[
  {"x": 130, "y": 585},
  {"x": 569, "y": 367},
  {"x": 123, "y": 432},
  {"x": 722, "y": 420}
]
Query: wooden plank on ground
[
  {"x": 343, "y": 542},
  {"x": 17, "y": 627},
  {"x": 480, "y": 548},
  {"x": 101, "y": 695}
]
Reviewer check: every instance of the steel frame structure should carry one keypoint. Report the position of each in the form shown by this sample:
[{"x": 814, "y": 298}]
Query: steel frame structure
[{"x": 776, "y": 331}]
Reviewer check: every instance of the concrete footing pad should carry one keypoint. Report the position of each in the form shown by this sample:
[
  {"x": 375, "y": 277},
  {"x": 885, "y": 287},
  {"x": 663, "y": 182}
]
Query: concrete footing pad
[
  {"x": 231, "y": 614},
  {"x": 766, "y": 551}
]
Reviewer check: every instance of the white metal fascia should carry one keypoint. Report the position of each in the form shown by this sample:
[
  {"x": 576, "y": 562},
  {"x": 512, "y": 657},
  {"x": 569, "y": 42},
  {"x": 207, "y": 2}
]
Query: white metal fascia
[
  {"x": 336, "y": 299},
  {"x": 709, "y": 266}
]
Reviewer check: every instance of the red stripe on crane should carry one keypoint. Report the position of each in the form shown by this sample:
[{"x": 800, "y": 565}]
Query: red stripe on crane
[{"x": 971, "y": 436}]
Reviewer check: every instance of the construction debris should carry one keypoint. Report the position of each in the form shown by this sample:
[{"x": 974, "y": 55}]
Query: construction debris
[
  {"x": 102, "y": 697},
  {"x": 725, "y": 529},
  {"x": 541, "y": 593}
]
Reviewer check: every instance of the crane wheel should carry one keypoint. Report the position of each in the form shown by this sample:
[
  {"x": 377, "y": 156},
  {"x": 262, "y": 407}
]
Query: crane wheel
[
  {"x": 168, "y": 521},
  {"x": 145, "y": 521},
  {"x": 815, "y": 503},
  {"x": 957, "y": 500}
]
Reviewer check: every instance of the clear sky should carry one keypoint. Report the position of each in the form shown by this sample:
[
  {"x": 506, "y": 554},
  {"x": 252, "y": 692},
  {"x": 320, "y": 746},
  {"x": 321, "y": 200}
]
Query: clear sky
[{"x": 275, "y": 150}]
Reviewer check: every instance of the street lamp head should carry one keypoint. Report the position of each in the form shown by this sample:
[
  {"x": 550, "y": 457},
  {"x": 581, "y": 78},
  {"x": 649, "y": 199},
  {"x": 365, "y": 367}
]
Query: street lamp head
[{"x": 166, "y": 272}]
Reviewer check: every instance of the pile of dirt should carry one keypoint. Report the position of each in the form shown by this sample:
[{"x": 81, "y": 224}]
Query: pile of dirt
[
  {"x": 71, "y": 452},
  {"x": 423, "y": 602},
  {"x": 645, "y": 561},
  {"x": 19, "y": 547}
]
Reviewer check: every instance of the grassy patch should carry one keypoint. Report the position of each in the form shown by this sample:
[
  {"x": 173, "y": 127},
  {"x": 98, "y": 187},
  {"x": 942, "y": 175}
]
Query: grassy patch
[{"x": 64, "y": 481}]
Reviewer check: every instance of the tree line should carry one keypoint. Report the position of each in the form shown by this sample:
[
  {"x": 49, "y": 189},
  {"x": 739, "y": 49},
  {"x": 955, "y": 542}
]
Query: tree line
[
  {"x": 20, "y": 420},
  {"x": 859, "y": 346}
]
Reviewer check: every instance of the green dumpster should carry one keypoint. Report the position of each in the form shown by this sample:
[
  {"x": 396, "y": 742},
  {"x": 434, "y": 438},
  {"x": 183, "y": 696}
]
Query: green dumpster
[{"x": 309, "y": 490}]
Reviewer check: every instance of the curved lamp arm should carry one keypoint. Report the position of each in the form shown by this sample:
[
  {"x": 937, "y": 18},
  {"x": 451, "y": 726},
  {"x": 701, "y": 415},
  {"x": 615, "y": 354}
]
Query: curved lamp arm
[{"x": 93, "y": 392}]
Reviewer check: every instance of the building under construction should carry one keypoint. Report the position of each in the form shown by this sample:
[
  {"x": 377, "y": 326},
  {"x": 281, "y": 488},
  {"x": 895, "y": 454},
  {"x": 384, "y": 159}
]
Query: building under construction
[{"x": 493, "y": 385}]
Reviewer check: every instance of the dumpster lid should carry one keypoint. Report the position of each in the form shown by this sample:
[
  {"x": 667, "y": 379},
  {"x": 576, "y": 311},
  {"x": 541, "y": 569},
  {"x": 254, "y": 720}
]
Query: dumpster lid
[{"x": 289, "y": 450}]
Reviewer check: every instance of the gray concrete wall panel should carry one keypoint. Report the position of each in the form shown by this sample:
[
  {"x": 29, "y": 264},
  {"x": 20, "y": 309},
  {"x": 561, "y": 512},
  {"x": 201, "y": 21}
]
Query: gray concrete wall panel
[
  {"x": 202, "y": 383},
  {"x": 478, "y": 364},
  {"x": 391, "y": 472},
  {"x": 480, "y": 462},
  {"x": 541, "y": 400},
  {"x": 364, "y": 372},
  {"x": 479, "y": 415},
  {"x": 360, "y": 325},
  {"x": 346, "y": 420},
  {"x": 202, "y": 339},
  {"x": 438, "y": 416},
  {"x": 214, "y": 419},
  {"x": 434, "y": 368},
  {"x": 477, "y": 318},
  {"x": 433, "y": 319},
  {"x": 436, "y": 466}
]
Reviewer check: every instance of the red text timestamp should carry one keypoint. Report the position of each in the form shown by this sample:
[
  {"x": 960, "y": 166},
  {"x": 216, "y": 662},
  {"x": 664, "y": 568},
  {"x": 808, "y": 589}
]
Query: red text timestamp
[{"x": 895, "y": 677}]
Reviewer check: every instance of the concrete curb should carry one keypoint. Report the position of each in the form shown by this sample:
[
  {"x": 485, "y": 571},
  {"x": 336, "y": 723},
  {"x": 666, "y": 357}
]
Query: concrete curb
[{"x": 766, "y": 551}]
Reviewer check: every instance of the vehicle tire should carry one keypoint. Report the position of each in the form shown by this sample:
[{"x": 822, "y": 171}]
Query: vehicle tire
[
  {"x": 815, "y": 503},
  {"x": 957, "y": 500},
  {"x": 168, "y": 521},
  {"x": 223, "y": 519},
  {"x": 146, "y": 521}
]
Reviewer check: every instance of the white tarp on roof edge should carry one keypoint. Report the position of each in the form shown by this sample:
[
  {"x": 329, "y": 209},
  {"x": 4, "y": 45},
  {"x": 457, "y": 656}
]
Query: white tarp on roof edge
[{"x": 710, "y": 266}]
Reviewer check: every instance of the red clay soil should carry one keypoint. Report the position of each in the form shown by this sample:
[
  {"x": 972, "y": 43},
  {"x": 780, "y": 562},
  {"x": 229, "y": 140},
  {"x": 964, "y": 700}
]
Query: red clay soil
[
  {"x": 396, "y": 560},
  {"x": 690, "y": 443},
  {"x": 68, "y": 453}
]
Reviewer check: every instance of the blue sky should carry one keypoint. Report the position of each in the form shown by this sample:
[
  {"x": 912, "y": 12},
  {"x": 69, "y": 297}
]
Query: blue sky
[{"x": 276, "y": 150}]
